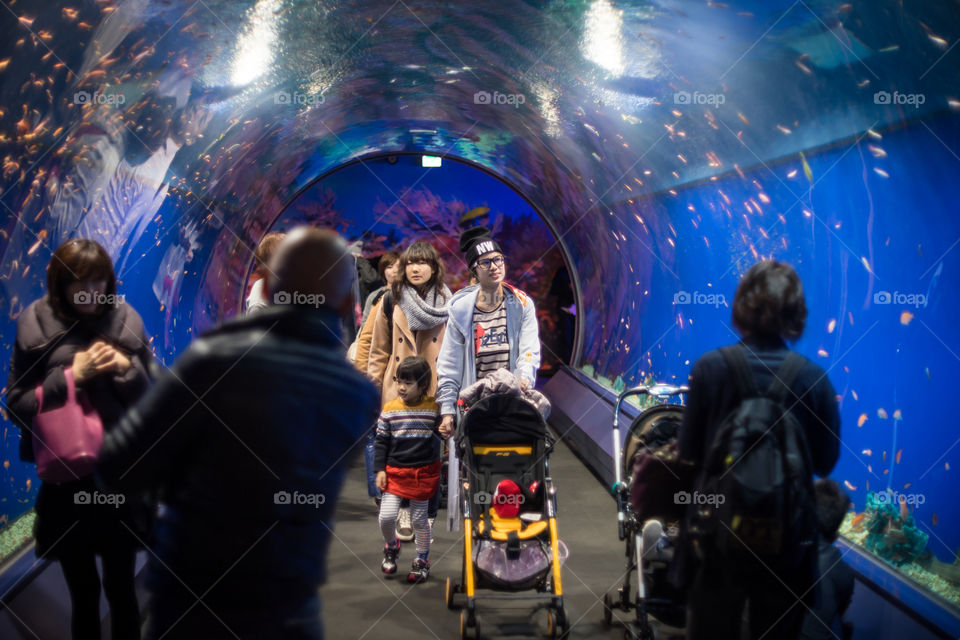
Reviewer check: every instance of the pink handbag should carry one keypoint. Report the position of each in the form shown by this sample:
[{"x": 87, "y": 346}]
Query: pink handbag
[{"x": 66, "y": 440}]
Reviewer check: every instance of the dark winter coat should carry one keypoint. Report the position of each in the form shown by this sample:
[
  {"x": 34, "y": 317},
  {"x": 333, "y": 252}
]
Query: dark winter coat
[
  {"x": 45, "y": 345},
  {"x": 713, "y": 396},
  {"x": 247, "y": 436}
]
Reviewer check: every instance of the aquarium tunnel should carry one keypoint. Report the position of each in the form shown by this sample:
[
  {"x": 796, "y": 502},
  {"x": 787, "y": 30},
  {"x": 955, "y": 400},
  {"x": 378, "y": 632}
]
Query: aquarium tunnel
[{"x": 633, "y": 158}]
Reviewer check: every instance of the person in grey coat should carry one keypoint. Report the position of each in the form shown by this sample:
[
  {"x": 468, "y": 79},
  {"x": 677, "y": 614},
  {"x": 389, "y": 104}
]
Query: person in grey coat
[{"x": 492, "y": 325}]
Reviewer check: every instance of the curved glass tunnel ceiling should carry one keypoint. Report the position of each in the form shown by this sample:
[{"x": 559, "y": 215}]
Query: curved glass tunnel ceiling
[
  {"x": 668, "y": 145},
  {"x": 581, "y": 104}
]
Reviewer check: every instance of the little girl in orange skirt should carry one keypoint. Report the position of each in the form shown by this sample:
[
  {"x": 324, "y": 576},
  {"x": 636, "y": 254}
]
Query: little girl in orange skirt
[{"x": 407, "y": 461}]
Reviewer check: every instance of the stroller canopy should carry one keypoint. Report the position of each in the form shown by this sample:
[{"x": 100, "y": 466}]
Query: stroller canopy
[{"x": 501, "y": 419}]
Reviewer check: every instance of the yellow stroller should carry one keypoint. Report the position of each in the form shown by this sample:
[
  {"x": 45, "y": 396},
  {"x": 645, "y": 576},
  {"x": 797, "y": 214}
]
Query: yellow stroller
[{"x": 509, "y": 509}]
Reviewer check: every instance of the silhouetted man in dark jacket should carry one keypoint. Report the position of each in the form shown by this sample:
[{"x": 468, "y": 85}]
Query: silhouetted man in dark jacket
[{"x": 245, "y": 438}]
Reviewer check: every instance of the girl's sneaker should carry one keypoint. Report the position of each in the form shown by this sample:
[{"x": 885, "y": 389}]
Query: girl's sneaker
[
  {"x": 419, "y": 572},
  {"x": 404, "y": 525},
  {"x": 389, "y": 564}
]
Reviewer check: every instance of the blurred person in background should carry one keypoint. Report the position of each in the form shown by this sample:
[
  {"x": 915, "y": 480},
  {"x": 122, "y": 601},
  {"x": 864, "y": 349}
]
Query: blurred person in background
[
  {"x": 257, "y": 298},
  {"x": 389, "y": 268}
]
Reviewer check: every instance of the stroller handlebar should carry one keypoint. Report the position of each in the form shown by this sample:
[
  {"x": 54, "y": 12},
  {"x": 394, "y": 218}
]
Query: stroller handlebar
[{"x": 659, "y": 390}]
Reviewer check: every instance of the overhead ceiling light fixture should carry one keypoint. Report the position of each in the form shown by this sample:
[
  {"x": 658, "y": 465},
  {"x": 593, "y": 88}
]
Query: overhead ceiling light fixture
[{"x": 432, "y": 161}]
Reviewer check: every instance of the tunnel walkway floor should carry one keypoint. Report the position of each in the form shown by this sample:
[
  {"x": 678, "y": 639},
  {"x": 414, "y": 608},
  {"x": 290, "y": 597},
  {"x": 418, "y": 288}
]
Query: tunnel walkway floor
[{"x": 360, "y": 602}]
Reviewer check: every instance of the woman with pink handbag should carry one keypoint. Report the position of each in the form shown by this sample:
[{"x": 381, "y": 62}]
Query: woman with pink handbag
[{"x": 81, "y": 358}]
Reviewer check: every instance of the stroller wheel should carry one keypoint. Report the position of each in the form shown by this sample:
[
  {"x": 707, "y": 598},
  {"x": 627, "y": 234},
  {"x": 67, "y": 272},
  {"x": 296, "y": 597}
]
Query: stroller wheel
[
  {"x": 563, "y": 623},
  {"x": 630, "y": 633},
  {"x": 551, "y": 625},
  {"x": 468, "y": 621},
  {"x": 450, "y": 589},
  {"x": 607, "y": 610}
]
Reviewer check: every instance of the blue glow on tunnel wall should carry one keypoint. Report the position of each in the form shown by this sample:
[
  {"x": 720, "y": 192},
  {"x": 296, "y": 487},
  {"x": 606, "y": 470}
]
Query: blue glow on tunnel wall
[{"x": 880, "y": 288}]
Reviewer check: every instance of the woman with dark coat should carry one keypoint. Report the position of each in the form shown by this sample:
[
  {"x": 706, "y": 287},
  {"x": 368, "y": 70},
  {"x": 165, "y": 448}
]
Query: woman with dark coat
[{"x": 81, "y": 324}]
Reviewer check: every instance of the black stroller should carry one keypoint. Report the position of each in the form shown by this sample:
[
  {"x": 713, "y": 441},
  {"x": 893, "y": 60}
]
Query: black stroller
[
  {"x": 650, "y": 537},
  {"x": 509, "y": 511}
]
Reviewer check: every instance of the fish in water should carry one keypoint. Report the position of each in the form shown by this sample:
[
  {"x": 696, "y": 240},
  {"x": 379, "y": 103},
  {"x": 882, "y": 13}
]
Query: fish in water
[
  {"x": 476, "y": 212},
  {"x": 807, "y": 171}
]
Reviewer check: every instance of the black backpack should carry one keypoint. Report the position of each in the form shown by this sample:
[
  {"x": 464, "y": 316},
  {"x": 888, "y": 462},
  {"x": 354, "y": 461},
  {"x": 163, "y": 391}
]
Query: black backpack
[{"x": 759, "y": 463}]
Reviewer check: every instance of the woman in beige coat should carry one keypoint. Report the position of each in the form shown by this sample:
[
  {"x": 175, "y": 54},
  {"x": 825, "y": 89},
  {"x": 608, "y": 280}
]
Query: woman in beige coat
[
  {"x": 389, "y": 268},
  {"x": 416, "y": 325},
  {"x": 414, "y": 328}
]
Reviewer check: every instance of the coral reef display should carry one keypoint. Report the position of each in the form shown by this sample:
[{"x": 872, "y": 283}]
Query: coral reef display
[
  {"x": 892, "y": 533},
  {"x": 888, "y": 529}
]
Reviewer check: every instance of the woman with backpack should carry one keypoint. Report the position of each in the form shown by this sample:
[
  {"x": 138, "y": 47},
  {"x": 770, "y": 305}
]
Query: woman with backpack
[
  {"x": 755, "y": 402},
  {"x": 410, "y": 321},
  {"x": 389, "y": 268}
]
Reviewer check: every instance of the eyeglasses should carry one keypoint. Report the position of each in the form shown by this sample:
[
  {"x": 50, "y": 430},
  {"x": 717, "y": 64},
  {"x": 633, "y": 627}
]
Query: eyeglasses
[{"x": 487, "y": 263}]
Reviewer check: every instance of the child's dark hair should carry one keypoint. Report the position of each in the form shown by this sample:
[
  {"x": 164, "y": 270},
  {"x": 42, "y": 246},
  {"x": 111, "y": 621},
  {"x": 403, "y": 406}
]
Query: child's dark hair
[
  {"x": 417, "y": 369},
  {"x": 832, "y": 506}
]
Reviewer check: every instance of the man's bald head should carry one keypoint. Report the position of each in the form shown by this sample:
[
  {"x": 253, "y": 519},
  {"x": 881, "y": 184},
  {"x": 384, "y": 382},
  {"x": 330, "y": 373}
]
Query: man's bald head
[{"x": 311, "y": 263}]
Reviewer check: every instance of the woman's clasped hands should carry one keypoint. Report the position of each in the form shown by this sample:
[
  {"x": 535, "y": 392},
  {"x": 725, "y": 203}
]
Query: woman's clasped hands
[{"x": 99, "y": 358}]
